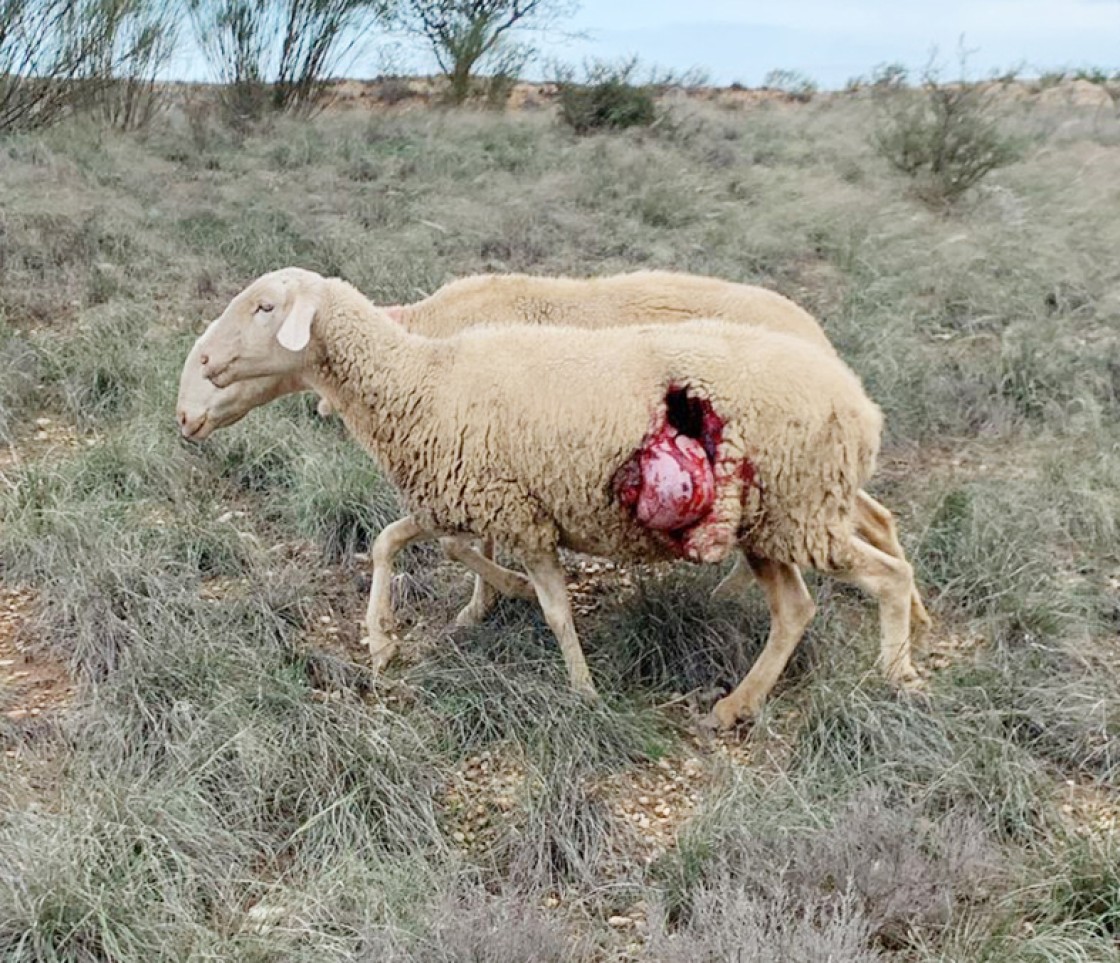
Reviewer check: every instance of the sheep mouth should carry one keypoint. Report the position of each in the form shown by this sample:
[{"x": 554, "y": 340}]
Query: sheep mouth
[
  {"x": 680, "y": 484},
  {"x": 198, "y": 431}
]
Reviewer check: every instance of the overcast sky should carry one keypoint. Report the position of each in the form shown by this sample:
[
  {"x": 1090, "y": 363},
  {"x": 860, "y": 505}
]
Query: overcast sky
[
  {"x": 828, "y": 40},
  {"x": 833, "y": 40}
]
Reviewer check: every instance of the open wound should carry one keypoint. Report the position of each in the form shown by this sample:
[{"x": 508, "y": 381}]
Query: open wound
[{"x": 671, "y": 484}]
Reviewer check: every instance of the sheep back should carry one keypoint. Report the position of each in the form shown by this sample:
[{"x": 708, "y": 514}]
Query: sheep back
[{"x": 640, "y": 297}]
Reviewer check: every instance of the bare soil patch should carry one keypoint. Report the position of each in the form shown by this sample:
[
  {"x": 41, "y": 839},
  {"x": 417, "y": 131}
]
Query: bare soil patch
[{"x": 32, "y": 682}]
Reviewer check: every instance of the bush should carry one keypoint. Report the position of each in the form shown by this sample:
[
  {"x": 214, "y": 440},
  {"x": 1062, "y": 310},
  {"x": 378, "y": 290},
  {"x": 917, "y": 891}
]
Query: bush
[
  {"x": 606, "y": 99},
  {"x": 299, "y": 42},
  {"x": 792, "y": 83},
  {"x": 137, "y": 38},
  {"x": 945, "y": 136},
  {"x": 44, "y": 50}
]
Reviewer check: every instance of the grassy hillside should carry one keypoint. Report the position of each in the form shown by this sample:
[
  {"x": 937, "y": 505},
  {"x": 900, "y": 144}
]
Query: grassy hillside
[{"x": 200, "y": 766}]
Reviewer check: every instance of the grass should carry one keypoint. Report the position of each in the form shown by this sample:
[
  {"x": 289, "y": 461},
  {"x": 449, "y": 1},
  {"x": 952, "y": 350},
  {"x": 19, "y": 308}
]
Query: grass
[{"x": 231, "y": 782}]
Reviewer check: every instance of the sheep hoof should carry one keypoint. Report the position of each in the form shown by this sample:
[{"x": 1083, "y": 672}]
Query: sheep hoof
[
  {"x": 726, "y": 714},
  {"x": 905, "y": 678},
  {"x": 469, "y": 616},
  {"x": 586, "y": 690},
  {"x": 381, "y": 650}
]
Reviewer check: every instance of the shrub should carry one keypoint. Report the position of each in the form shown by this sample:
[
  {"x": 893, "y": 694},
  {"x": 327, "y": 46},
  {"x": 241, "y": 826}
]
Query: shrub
[
  {"x": 19, "y": 370},
  {"x": 470, "y": 38},
  {"x": 606, "y": 98},
  {"x": 44, "y": 50},
  {"x": 945, "y": 136},
  {"x": 792, "y": 83},
  {"x": 299, "y": 42},
  {"x": 139, "y": 39}
]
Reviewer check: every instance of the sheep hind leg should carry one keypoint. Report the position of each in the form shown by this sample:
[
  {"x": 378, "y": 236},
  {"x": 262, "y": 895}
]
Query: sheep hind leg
[
  {"x": 890, "y": 580},
  {"x": 735, "y": 583},
  {"x": 547, "y": 576},
  {"x": 875, "y": 525},
  {"x": 791, "y": 610},
  {"x": 380, "y": 622}
]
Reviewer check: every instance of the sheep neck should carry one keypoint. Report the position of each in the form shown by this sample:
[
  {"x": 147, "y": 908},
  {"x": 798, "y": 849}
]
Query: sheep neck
[{"x": 371, "y": 370}]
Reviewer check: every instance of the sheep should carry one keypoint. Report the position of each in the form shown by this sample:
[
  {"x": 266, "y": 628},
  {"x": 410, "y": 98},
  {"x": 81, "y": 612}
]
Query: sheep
[
  {"x": 660, "y": 297},
  {"x": 461, "y": 426}
]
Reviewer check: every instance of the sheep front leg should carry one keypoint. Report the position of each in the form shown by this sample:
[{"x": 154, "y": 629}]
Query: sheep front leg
[
  {"x": 483, "y": 596},
  {"x": 547, "y": 576},
  {"x": 890, "y": 581},
  {"x": 380, "y": 621},
  {"x": 791, "y": 610},
  {"x": 490, "y": 580},
  {"x": 507, "y": 582}
]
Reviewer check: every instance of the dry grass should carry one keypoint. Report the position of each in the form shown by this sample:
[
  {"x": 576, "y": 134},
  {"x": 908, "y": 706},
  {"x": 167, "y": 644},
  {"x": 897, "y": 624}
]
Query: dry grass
[{"x": 227, "y": 780}]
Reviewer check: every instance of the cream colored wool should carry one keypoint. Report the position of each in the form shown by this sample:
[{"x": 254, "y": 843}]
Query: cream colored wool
[
  {"x": 517, "y": 432},
  {"x": 478, "y": 449},
  {"x": 640, "y": 297}
]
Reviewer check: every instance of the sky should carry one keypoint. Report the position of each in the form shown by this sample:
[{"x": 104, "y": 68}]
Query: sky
[
  {"x": 833, "y": 40},
  {"x": 829, "y": 41}
]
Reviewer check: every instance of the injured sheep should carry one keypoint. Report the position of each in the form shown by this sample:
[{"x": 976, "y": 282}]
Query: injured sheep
[
  {"x": 528, "y": 435},
  {"x": 647, "y": 297}
]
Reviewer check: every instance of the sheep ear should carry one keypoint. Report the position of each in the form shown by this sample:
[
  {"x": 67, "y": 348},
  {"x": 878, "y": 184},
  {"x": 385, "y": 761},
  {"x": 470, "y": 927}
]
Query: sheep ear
[{"x": 295, "y": 332}]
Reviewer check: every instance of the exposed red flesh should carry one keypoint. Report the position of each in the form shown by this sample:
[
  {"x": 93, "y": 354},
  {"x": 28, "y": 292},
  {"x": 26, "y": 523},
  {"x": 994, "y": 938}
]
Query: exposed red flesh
[
  {"x": 669, "y": 483},
  {"x": 678, "y": 486}
]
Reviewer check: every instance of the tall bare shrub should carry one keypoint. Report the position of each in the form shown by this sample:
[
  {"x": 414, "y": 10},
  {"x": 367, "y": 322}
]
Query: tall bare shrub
[
  {"x": 278, "y": 52},
  {"x": 234, "y": 35},
  {"x": 136, "y": 38},
  {"x": 318, "y": 34},
  {"x": 46, "y": 47}
]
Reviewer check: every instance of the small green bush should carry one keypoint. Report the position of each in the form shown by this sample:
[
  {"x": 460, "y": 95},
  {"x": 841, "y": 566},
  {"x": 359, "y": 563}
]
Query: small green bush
[
  {"x": 606, "y": 99},
  {"x": 945, "y": 136}
]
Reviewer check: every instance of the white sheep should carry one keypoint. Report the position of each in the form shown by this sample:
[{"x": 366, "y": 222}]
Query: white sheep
[
  {"x": 539, "y": 437},
  {"x": 647, "y": 297}
]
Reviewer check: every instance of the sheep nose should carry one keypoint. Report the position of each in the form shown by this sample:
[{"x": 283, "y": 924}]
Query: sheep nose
[{"x": 190, "y": 426}]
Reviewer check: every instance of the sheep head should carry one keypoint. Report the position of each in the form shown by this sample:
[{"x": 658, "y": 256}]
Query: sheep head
[
  {"x": 264, "y": 330},
  {"x": 202, "y": 407}
]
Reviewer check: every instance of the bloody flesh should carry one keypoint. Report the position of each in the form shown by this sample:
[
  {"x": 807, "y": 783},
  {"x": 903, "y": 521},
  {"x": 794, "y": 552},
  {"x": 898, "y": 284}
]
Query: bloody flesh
[
  {"x": 678, "y": 485},
  {"x": 669, "y": 483}
]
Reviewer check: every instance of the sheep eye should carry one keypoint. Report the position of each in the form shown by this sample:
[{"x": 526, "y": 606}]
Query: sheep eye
[{"x": 266, "y": 307}]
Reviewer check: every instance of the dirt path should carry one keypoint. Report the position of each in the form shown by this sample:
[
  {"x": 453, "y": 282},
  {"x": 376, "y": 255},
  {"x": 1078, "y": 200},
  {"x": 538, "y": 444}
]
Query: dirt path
[{"x": 31, "y": 682}]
